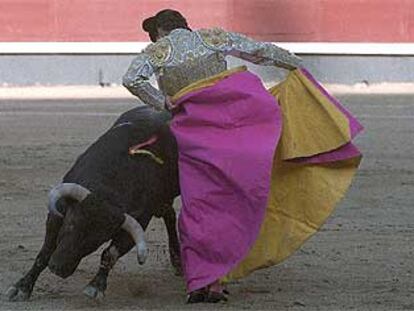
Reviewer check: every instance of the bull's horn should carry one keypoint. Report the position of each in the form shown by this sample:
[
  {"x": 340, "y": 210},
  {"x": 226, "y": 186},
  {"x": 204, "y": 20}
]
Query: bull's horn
[
  {"x": 70, "y": 190},
  {"x": 136, "y": 231}
]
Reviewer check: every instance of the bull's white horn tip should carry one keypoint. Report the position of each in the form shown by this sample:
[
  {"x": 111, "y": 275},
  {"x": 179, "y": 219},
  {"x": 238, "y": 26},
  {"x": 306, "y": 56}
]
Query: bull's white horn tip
[{"x": 142, "y": 251}]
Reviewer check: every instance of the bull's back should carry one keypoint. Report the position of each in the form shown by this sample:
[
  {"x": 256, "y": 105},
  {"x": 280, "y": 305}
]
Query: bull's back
[{"x": 107, "y": 169}]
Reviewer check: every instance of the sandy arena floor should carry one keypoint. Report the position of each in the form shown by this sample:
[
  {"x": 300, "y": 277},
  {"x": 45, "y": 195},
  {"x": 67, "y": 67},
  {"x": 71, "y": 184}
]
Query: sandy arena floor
[{"x": 361, "y": 260}]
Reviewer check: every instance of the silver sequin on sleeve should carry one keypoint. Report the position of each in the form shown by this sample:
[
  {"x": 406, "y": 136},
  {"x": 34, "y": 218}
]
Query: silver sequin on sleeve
[
  {"x": 136, "y": 80},
  {"x": 261, "y": 53}
]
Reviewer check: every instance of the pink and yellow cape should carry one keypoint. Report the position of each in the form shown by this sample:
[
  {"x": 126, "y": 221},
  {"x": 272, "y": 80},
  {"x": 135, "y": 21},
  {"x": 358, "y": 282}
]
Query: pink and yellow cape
[{"x": 260, "y": 170}]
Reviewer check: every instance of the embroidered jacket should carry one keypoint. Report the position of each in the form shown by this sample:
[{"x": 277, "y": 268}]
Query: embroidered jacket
[{"x": 186, "y": 56}]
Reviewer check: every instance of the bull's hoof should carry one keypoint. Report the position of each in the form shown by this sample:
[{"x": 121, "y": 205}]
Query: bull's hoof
[
  {"x": 17, "y": 294},
  {"x": 178, "y": 271},
  {"x": 175, "y": 260},
  {"x": 93, "y": 293},
  {"x": 176, "y": 264}
]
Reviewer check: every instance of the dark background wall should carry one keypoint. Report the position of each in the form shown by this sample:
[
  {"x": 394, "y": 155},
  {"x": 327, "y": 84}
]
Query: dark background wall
[
  {"x": 307, "y": 21},
  {"x": 271, "y": 20}
]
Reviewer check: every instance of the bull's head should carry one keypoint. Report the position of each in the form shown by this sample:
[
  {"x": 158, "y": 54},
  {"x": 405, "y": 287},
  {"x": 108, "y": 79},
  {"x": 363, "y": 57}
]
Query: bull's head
[{"x": 87, "y": 222}]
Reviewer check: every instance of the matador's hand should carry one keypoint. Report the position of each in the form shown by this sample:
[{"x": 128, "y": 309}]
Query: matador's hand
[{"x": 168, "y": 104}]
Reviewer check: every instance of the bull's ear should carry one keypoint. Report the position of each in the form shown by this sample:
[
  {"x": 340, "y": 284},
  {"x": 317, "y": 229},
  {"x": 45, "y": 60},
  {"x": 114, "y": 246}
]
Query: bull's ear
[
  {"x": 66, "y": 190},
  {"x": 62, "y": 205}
]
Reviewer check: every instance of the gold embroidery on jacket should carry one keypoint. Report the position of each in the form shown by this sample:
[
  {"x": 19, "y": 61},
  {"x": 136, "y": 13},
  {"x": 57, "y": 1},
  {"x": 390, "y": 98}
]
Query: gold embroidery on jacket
[
  {"x": 159, "y": 52},
  {"x": 214, "y": 37}
]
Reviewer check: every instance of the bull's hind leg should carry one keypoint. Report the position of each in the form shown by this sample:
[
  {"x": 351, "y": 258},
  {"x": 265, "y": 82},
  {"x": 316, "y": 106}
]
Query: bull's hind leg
[
  {"x": 170, "y": 221},
  {"x": 121, "y": 244},
  {"x": 24, "y": 287}
]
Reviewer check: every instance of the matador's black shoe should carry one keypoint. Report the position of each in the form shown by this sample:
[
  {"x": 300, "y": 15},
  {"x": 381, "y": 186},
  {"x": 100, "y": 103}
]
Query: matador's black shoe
[
  {"x": 204, "y": 295},
  {"x": 197, "y": 296},
  {"x": 215, "y": 297}
]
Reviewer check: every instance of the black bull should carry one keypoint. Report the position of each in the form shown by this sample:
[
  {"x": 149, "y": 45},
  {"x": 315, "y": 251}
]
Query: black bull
[{"x": 115, "y": 185}]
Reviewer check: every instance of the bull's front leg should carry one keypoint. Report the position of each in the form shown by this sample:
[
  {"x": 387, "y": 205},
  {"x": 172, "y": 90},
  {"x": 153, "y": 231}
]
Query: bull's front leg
[
  {"x": 22, "y": 290},
  {"x": 170, "y": 221},
  {"x": 120, "y": 245}
]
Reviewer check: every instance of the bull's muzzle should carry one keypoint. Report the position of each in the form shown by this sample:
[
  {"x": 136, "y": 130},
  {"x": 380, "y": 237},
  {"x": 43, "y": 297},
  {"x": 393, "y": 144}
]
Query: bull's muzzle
[
  {"x": 79, "y": 193},
  {"x": 62, "y": 271}
]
